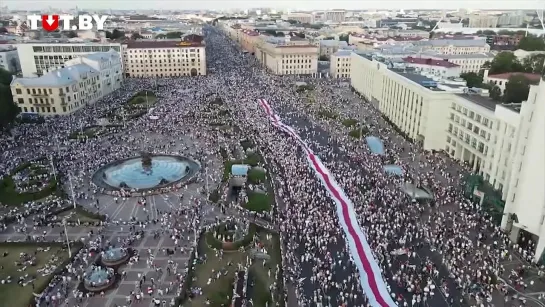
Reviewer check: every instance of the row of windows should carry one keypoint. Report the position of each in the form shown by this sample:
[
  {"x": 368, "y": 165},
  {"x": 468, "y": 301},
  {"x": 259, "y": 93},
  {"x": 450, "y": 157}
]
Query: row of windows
[
  {"x": 163, "y": 62},
  {"x": 177, "y": 74},
  {"x": 477, "y": 117},
  {"x": 160, "y": 70},
  {"x": 184, "y": 56},
  {"x": 161, "y": 50},
  {"x": 75, "y": 49}
]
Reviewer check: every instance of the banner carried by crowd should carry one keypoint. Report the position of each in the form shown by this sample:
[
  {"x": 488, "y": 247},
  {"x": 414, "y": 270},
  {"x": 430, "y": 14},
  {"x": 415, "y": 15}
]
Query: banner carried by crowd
[{"x": 370, "y": 276}]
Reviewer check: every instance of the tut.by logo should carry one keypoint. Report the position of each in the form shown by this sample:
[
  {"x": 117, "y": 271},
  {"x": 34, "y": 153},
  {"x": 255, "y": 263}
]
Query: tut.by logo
[{"x": 51, "y": 23}]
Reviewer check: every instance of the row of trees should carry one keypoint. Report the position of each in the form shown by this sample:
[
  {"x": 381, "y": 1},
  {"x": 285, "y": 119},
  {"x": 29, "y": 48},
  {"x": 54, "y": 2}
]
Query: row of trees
[
  {"x": 507, "y": 62},
  {"x": 516, "y": 88}
]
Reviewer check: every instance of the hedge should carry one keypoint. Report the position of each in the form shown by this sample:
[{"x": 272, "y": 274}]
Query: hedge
[
  {"x": 323, "y": 113},
  {"x": 253, "y": 159},
  {"x": 358, "y": 133},
  {"x": 256, "y": 176},
  {"x": 9, "y": 196},
  {"x": 258, "y": 202},
  {"x": 349, "y": 122},
  {"x": 246, "y": 144},
  {"x": 214, "y": 196},
  {"x": 217, "y": 244}
]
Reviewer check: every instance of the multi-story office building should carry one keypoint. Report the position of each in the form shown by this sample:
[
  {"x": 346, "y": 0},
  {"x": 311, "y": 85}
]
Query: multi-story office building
[
  {"x": 468, "y": 62},
  {"x": 502, "y": 142},
  {"x": 165, "y": 58},
  {"x": 82, "y": 81},
  {"x": 248, "y": 40},
  {"x": 340, "y": 64},
  {"x": 287, "y": 56},
  {"x": 336, "y": 16},
  {"x": 454, "y": 46},
  {"x": 483, "y": 21},
  {"x": 511, "y": 19},
  {"x": 328, "y": 47},
  {"x": 433, "y": 67},
  {"x": 9, "y": 59},
  {"x": 301, "y": 17},
  {"x": 38, "y": 58}
]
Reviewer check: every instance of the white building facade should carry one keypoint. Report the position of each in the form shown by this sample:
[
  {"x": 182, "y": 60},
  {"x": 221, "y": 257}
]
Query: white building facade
[
  {"x": 41, "y": 57},
  {"x": 504, "y": 143},
  {"x": 81, "y": 82},
  {"x": 340, "y": 64},
  {"x": 454, "y": 46},
  {"x": 163, "y": 58}
]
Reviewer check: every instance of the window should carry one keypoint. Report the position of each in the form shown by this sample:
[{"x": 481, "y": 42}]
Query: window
[
  {"x": 18, "y": 91},
  {"x": 21, "y": 100}
]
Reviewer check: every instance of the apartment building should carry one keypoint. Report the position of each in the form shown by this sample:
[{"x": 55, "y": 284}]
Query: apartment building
[
  {"x": 301, "y": 17},
  {"x": 287, "y": 56},
  {"x": 340, "y": 64},
  {"x": 468, "y": 62},
  {"x": 502, "y": 142},
  {"x": 248, "y": 39},
  {"x": 165, "y": 58},
  {"x": 9, "y": 59},
  {"x": 439, "y": 68},
  {"x": 500, "y": 80},
  {"x": 483, "y": 21},
  {"x": 454, "y": 46},
  {"x": 38, "y": 58},
  {"x": 82, "y": 81},
  {"x": 328, "y": 47},
  {"x": 336, "y": 16}
]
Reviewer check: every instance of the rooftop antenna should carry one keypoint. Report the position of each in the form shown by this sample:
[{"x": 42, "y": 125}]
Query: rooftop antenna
[
  {"x": 443, "y": 16},
  {"x": 540, "y": 17}
]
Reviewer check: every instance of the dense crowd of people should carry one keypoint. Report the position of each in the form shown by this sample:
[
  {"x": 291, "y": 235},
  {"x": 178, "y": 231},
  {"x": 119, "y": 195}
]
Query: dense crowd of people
[{"x": 444, "y": 252}]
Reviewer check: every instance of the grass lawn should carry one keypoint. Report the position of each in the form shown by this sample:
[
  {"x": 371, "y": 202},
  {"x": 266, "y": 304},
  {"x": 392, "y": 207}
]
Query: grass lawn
[
  {"x": 13, "y": 294},
  {"x": 10, "y": 196},
  {"x": 258, "y": 202},
  {"x": 141, "y": 100},
  {"x": 221, "y": 290}
]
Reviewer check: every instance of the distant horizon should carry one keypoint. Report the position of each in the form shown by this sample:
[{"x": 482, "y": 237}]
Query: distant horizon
[{"x": 214, "y": 5}]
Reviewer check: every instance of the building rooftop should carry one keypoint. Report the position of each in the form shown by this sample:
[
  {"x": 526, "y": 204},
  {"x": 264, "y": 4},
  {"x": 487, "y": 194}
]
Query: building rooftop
[
  {"x": 419, "y": 79},
  {"x": 507, "y": 75},
  {"x": 101, "y": 56},
  {"x": 140, "y": 44},
  {"x": 333, "y": 43},
  {"x": 453, "y": 42},
  {"x": 343, "y": 53},
  {"x": 482, "y": 101},
  {"x": 430, "y": 62},
  {"x": 485, "y": 55},
  {"x": 59, "y": 77}
]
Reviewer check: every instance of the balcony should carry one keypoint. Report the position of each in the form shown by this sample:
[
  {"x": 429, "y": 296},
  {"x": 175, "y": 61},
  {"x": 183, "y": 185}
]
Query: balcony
[{"x": 41, "y": 104}]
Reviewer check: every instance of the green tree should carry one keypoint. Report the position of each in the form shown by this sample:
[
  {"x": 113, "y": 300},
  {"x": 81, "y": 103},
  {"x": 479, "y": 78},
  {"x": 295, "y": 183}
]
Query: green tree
[
  {"x": 323, "y": 58},
  {"x": 8, "y": 109},
  {"x": 161, "y": 36},
  {"x": 292, "y": 22},
  {"x": 344, "y": 37},
  {"x": 329, "y": 38},
  {"x": 505, "y": 62},
  {"x": 534, "y": 64},
  {"x": 175, "y": 34},
  {"x": 136, "y": 36},
  {"x": 71, "y": 34},
  {"x": 532, "y": 43},
  {"x": 271, "y": 32},
  {"x": 516, "y": 89},
  {"x": 472, "y": 79},
  {"x": 115, "y": 34},
  {"x": 495, "y": 93}
]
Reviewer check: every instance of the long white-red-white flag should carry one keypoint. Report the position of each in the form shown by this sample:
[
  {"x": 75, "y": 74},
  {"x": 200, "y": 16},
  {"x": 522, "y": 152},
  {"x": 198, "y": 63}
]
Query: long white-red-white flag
[{"x": 370, "y": 276}]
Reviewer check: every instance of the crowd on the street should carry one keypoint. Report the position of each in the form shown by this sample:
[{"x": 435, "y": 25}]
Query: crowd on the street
[{"x": 431, "y": 253}]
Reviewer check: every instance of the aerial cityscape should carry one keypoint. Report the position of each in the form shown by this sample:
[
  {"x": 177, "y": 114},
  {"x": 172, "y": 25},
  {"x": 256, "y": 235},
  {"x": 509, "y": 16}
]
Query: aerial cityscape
[{"x": 297, "y": 154}]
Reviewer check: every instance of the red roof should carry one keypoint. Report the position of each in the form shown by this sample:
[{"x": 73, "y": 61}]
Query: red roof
[
  {"x": 431, "y": 62},
  {"x": 507, "y": 75}
]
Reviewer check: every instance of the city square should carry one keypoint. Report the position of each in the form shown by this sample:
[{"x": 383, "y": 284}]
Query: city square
[{"x": 226, "y": 176}]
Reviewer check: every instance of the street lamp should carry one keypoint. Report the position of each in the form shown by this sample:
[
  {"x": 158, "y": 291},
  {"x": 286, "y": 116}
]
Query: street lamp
[
  {"x": 72, "y": 191},
  {"x": 67, "y": 240}
]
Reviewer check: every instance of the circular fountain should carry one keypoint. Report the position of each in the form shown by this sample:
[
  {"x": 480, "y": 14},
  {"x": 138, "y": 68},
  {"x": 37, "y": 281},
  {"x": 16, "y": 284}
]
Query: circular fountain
[
  {"x": 114, "y": 256},
  {"x": 97, "y": 278},
  {"x": 145, "y": 172}
]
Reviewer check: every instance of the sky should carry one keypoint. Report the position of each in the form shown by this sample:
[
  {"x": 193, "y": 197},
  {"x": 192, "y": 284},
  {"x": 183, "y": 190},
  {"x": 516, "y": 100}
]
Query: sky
[{"x": 276, "y": 4}]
